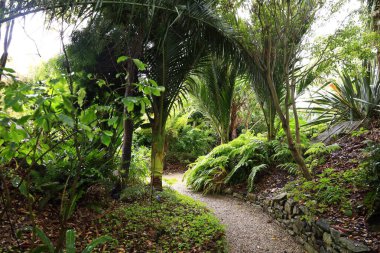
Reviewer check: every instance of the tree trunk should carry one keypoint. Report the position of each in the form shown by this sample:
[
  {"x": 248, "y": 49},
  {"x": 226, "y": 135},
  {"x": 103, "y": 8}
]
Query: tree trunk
[
  {"x": 295, "y": 114},
  {"x": 234, "y": 121},
  {"x": 128, "y": 125},
  {"x": 158, "y": 154},
  {"x": 271, "y": 120},
  {"x": 7, "y": 42},
  {"x": 285, "y": 125}
]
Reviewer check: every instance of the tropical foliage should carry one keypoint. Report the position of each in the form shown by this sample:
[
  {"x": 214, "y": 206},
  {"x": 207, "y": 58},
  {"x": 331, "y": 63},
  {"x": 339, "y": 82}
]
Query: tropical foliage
[
  {"x": 214, "y": 87},
  {"x": 351, "y": 98}
]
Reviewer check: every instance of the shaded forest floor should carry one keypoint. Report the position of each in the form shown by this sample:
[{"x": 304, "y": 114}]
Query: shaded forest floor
[{"x": 164, "y": 222}]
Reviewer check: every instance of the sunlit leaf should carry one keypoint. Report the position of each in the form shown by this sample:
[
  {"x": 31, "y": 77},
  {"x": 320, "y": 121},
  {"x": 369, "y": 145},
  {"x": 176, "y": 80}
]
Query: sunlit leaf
[
  {"x": 81, "y": 95},
  {"x": 122, "y": 58},
  {"x": 139, "y": 64},
  {"x": 106, "y": 140}
]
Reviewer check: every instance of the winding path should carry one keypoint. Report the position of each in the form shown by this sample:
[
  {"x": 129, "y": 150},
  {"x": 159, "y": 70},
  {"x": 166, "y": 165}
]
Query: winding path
[{"x": 248, "y": 228}]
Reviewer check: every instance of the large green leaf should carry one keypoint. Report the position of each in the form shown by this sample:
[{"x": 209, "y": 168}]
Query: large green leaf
[
  {"x": 70, "y": 241},
  {"x": 46, "y": 241},
  {"x": 106, "y": 140},
  {"x": 96, "y": 242},
  {"x": 66, "y": 119}
]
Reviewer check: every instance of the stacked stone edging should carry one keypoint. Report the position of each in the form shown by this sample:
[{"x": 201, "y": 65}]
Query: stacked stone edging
[{"x": 316, "y": 235}]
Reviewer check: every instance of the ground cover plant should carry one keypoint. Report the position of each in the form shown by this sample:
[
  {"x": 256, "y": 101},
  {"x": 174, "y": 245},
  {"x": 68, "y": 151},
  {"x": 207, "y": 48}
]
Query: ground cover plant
[
  {"x": 164, "y": 222},
  {"x": 344, "y": 189}
]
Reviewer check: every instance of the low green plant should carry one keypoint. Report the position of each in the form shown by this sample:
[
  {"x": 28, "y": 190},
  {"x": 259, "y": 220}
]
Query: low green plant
[
  {"x": 359, "y": 132},
  {"x": 170, "y": 181},
  {"x": 316, "y": 153},
  {"x": 167, "y": 222},
  {"x": 140, "y": 165},
  {"x": 330, "y": 188},
  {"x": 282, "y": 157},
  {"x": 372, "y": 166},
  {"x": 135, "y": 192}
]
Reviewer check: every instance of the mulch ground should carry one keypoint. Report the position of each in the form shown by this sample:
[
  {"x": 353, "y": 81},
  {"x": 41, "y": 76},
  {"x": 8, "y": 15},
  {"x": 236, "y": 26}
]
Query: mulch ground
[{"x": 16, "y": 220}]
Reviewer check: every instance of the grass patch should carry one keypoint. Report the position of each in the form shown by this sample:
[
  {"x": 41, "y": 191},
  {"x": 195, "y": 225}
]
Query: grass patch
[
  {"x": 170, "y": 223},
  {"x": 170, "y": 181}
]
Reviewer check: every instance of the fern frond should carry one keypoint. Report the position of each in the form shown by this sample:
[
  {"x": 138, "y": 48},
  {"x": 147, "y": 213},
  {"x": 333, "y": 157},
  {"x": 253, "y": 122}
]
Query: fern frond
[
  {"x": 290, "y": 167},
  {"x": 253, "y": 174}
]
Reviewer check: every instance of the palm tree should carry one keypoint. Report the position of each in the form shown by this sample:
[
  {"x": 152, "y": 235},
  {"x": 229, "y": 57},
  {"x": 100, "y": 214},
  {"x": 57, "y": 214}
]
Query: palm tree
[
  {"x": 170, "y": 36},
  {"x": 173, "y": 50},
  {"x": 213, "y": 88}
]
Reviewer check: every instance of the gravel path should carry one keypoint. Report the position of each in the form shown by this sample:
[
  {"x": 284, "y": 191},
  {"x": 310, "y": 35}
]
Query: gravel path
[{"x": 248, "y": 228}]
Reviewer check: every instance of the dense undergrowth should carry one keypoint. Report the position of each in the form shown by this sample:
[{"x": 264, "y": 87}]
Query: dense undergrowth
[
  {"x": 162, "y": 222},
  {"x": 244, "y": 158}
]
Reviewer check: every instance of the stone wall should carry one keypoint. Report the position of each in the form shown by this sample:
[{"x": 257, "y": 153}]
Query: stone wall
[{"x": 315, "y": 235}]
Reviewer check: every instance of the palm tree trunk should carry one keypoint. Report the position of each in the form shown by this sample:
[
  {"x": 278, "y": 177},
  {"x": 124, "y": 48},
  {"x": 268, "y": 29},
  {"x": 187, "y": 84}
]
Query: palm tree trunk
[
  {"x": 158, "y": 153},
  {"x": 234, "y": 121}
]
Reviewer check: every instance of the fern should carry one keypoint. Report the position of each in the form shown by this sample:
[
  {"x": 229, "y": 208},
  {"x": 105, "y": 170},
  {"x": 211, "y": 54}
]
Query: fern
[
  {"x": 239, "y": 159},
  {"x": 315, "y": 154},
  {"x": 321, "y": 149},
  {"x": 252, "y": 175},
  {"x": 282, "y": 153},
  {"x": 291, "y": 167}
]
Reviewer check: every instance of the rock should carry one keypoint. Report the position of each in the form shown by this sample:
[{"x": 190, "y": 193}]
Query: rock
[
  {"x": 237, "y": 195},
  {"x": 228, "y": 191},
  {"x": 296, "y": 210},
  {"x": 309, "y": 248},
  {"x": 335, "y": 234},
  {"x": 278, "y": 206},
  {"x": 289, "y": 206},
  {"x": 355, "y": 247},
  {"x": 290, "y": 232},
  {"x": 298, "y": 226},
  {"x": 281, "y": 196},
  {"x": 304, "y": 210},
  {"x": 251, "y": 197},
  {"x": 327, "y": 238},
  {"x": 323, "y": 224},
  {"x": 256, "y": 205}
]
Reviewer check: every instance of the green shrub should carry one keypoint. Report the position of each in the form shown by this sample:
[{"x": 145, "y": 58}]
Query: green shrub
[
  {"x": 139, "y": 170},
  {"x": 135, "y": 192},
  {"x": 237, "y": 161},
  {"x": 372, "y": 168}
]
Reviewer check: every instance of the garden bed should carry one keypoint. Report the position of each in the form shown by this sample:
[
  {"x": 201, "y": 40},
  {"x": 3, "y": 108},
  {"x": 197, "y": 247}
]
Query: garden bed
[
  {"x": 339, "y": 193},
  {"x": 168, "y": 222}
]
